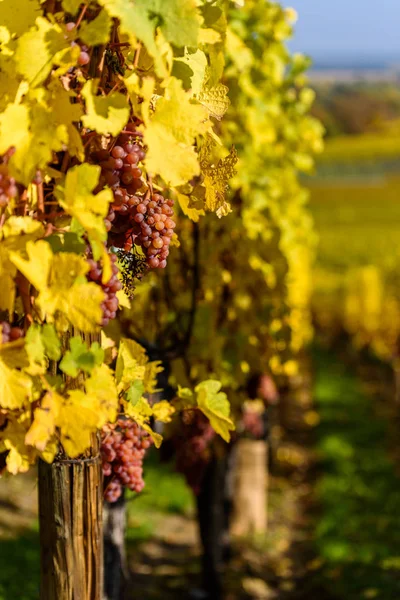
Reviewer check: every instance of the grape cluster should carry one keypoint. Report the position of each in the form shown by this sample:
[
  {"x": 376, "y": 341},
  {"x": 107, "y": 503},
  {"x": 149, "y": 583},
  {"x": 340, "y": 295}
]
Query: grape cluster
[
  {"x": 83, "y": 58},
  {"x": 123, "y": 448},
  {"x": 193, "y": 448},
  {"x": 144, "y": 219},
  {"x": 113, "y": 285},
  {"x": 8, "y": 187},
  {"x": 9, "y": 333}
]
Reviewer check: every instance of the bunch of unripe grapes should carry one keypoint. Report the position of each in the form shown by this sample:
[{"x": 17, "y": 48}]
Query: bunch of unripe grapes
[
  {"x": 10, "y": 333},
  {"x": 144, "y": 219},
  {"x": 8, "y": 187},
  {"x": 123, "y": 447},
  {"x": 110, "y": 303}
]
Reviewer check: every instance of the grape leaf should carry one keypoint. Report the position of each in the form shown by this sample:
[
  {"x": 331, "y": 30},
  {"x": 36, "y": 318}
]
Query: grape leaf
[
  {"x": 215, "y": 405},
  {"x": 193, "y": 213},
  {"x": 77, "y": 419},
  {"x": 215, "y": 99},
  {"x": 135, "y": 392},
  {"x": 19, "y": 17},
  {"x": 170, "y": 134},
  {"x": 35, "y": 350},
  {"x": 196, "y": 63},
  {"x": 131, "y": 363},
  {"x": 38, "y": 49},
  {"x": 178, "y": 21},
  {"x": 97, "y": 31},
  {"x": 15, "y": 387},
  {"x": 43, "y": 425},
  {"x": 37, "y": 129},
  {"x": 163, "y": 411},
  {"x": 216, "y": 177},
  {"x": 51, "y": 341},
  {"x": 89, "y": 210},
  {"x": 71, "y": 6},
  {"x": 105, "y": 114},
  {"x": 101, "y": 386},
  {"x": 64, "y": 295},
  {"x": 80, "y": 357}
]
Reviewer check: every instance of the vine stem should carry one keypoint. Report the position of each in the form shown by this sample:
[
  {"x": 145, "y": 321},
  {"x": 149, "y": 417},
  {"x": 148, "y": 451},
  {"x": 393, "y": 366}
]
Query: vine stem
[
  {"x": 81, "y": 15},
  {"x": 137, "y": 55},
  {"x": 39, "y": 188}
]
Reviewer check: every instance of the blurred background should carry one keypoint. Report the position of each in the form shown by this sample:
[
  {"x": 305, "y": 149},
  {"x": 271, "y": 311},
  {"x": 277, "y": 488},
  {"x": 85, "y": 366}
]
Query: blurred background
[{"x": 329, "y": 528}]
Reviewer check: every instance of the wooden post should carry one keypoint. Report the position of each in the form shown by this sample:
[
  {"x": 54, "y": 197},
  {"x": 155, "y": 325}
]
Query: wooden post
[
  {"x": 71, "y": 528},
  {"x": 71, "y": 517},
  {"x": 251, "y": 487}
]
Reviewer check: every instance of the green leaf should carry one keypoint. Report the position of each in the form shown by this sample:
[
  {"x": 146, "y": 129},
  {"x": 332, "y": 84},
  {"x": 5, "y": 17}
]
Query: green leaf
[
  {"x": 80, "y": 357},
  {"x": 71, "y": 6},
  {"x": 105, "y": 114},
  {"x": 97, "y": 31},
  {"x": 51, "y": 341},
  {"x": 135, "y": 392}
]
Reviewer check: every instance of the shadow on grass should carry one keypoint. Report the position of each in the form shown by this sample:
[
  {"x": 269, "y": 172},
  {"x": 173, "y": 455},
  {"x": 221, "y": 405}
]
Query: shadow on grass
[
  {"x": 358, "y": 533},
  {"x": 19, "y": 567}
]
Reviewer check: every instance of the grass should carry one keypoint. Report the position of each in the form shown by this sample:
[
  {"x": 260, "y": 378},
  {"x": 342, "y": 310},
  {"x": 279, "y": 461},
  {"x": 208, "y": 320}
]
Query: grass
[
  {"x": 165, "y": 493},
  {"x": 358, "y": 533}
]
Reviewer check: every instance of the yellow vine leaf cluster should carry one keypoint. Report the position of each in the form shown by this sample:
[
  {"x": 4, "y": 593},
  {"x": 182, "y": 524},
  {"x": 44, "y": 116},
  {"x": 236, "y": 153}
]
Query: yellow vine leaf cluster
[
  {"x": 251, "y": 311},
  {"x": 161, "y": 64}
]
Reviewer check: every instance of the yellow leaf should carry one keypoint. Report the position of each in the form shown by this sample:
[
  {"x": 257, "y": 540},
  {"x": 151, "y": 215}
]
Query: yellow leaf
[
  {"x": 71, "y": 6},
  {"x": 78, "y": 200},
  {"x": 97, "y": 31},
  {"x": 209, "y": 36},
  {"x": 43, "y": 425},
  {"x": 43, "y": 124},
  {"x": 217, "y": 173},
  {"x": 123, "y": 299},
  {"x": 59, "y": 280},
  {"x": 170, "y": 134},
  {"x": 196, "y": 64},
  {"x": 37, "y": 267},
  {"x": 141, "y": 413},
  {"x": 39, "y": 48},
  {"x": 15, "y": 387},
  {"x": 105, "y": 114},
  {"x": 163, "y": 411},
  {"x": 193, "y": 213},
  {"x": 78, "y": 418},
  {"x": 150, "y": 376},
  {"x": 101, "y": 385},
  {"x": 19, "y": 17},
  {"x": 178, "y": 21},
  {"x": 215, "y": 405},
  {"x": 131, "y": 363},
  {"x": 215, "y": 99}
]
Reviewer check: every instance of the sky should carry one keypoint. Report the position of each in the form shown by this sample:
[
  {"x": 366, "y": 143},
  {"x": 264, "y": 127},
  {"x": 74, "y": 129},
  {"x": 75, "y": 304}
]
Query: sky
[{"x": 347, "y": 30}]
